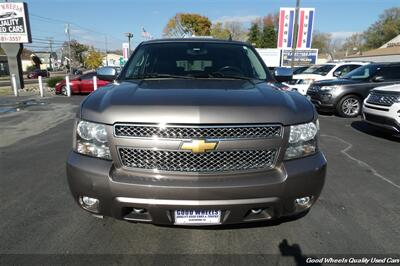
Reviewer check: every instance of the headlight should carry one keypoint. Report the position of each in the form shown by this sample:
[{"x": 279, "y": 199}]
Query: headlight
[
  {"x": 328, "y": 88},
  {"x": 91, "y": 139},
  {"x": 302, "y": 140}
]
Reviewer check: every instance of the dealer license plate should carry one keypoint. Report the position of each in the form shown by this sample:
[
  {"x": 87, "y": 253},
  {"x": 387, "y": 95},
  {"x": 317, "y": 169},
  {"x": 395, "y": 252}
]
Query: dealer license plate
[{"x": 197, "y": 217}]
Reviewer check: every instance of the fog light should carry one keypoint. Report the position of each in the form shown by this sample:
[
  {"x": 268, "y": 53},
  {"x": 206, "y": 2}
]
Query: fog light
[
  {"x": 139, "y": 210},
  {"x": 256, "y": 211},
  {"x": 303, "y": 203},
  {"x": 89, "y": 204}
]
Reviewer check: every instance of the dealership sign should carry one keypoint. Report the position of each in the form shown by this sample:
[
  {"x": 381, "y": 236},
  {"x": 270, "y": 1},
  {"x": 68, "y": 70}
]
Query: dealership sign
[
  {"x": 14, "y": 23},
  {"x": 286, "y": 27},
  {"x": 125, "y": 51},
  {"x": 301, "y": 57}
]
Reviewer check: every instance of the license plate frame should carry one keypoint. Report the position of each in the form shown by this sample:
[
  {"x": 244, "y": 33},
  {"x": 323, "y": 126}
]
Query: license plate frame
[{"x": 197, "y": 217}]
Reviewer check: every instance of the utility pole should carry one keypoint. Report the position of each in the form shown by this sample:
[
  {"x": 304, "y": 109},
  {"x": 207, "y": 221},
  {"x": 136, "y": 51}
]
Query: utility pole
[
  {"x": 130, "y": 36},
  {"x": 67, "y": 31},
  {"x": 296, "y": 29},
  {"x": 106, "y": 51},
  {"x": 51, "y": 53}
]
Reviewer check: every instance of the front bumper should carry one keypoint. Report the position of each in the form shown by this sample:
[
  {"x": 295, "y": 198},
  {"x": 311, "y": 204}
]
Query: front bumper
[
  {"x": 322, "y": 101},
  {"x": 272, "y": 191},
  {"x": 386, "y": 117}
]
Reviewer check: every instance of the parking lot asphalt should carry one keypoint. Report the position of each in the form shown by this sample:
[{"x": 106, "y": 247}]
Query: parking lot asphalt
[{"x": 357, "y": 213}]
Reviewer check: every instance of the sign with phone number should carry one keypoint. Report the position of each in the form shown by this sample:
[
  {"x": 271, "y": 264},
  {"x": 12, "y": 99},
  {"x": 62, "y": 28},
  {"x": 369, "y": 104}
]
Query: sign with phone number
[{"x": 14, "y": 23}]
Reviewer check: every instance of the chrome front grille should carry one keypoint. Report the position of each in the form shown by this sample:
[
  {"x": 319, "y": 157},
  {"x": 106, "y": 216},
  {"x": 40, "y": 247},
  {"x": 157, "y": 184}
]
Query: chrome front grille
[
  {"x": 382, "y": 98},
  {"x": 197, "y": 132},
  {"x": 181, "y": 161}
]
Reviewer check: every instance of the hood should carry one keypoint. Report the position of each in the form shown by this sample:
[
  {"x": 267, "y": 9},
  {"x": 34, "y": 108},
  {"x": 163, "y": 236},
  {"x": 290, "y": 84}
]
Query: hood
[
  {"x": 390, "y": 88},
  {"x": 331, "y": 82},
  {"x": 198, "y": 101}
]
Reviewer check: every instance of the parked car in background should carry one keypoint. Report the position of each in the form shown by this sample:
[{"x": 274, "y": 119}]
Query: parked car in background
[
  {"x": 382, "y": 107},
  {"x": 302, "y": 82},
  {"x": 80, "y": 84},
  {"x": 34, "y": 74},
  {"x": 299, "y": 69},
  {"x": 345, "y": 95}
]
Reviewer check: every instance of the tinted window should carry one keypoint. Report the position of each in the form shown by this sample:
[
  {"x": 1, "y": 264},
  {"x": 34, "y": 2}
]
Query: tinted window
[
  {"x": 319, "y": 69},
  {"x": 343, "y": 70},
  {"x": 195, "y": 59},
  {"x": 390, "y": 72},
  {"x": 88, "y": 76},
  {"x": 361, "y": 73}
]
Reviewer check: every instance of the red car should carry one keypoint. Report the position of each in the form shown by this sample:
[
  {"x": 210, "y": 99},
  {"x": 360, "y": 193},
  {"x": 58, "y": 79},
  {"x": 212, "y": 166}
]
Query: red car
[{"x": 81, "y": 84}]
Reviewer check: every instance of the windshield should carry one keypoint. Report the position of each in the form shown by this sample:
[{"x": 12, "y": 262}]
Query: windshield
[
  {"x": 194, "y": 60},
  {"x": 319, "y": 69},
  {"x": 364, "y": 72}
]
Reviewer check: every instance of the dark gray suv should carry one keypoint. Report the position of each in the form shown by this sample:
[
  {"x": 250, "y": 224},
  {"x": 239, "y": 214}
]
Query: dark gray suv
[
  {"x": 192, "y": 133},
  {"x": 345, "y": 95}
]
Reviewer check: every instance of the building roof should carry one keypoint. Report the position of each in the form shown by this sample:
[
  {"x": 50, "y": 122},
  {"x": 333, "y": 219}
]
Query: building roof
[
  {"x": 393, "y": 50},
  {"x": 393, "y": 42}
]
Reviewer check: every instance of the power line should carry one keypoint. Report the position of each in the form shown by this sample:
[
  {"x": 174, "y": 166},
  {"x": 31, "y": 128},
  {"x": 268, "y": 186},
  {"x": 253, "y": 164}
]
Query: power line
[
  {"x": 44, "y": 39},
  {"x": 71, "y": 23}
]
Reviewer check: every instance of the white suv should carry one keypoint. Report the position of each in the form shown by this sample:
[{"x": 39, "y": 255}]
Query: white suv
[
  {"x": 302, "y": 82},
  {"x": 382, "y": 107}
]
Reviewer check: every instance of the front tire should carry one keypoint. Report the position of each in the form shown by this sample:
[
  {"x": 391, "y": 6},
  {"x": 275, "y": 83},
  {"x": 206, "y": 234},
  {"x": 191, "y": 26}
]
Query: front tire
[
  {"x": 349, "y": 106},
  {"x": 64, "y": 91}
]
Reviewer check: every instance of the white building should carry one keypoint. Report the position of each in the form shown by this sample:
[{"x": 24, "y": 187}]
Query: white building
[{"x": 112, "y": 60}]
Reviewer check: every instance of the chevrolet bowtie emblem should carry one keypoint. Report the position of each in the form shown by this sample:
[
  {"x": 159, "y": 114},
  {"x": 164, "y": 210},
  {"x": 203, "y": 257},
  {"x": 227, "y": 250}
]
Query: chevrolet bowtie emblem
[{"x": 199, "y": 146}]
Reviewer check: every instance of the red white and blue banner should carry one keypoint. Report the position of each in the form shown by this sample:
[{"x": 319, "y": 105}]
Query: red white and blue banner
[
  {"x": 286, "y": 27},
  {"x": 306, "y": 21}
]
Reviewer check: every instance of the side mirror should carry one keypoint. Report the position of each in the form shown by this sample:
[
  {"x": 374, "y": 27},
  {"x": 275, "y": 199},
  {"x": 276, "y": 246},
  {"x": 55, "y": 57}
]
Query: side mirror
[
  {"x": 106, "y": 73},
  {"x": 378, "y": 79},
  {"x": 283, "y": 74},
  {"x": 337, "y": 73}
]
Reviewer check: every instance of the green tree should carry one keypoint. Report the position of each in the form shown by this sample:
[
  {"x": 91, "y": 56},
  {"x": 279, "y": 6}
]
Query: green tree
[
  {"x": 386, "y": 28},
  {"x": 93, "y": 59},
  {"x": 268, "y": 37},
  {"x": 78, "y": 51},
  {"x": 254, "y": 33},
  {"x": 218, "y": 31},
  {"x": 187, "y": 24},
  {"x": 322, "y": 41}
]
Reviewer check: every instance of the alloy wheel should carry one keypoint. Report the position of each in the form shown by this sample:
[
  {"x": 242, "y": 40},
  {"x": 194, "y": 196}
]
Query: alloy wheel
[{"x": 351, "y": 106}]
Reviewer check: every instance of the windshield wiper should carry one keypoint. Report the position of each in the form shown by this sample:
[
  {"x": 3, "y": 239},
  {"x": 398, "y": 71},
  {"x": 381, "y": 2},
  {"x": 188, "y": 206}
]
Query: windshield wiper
[{"x": 251, "y": 80}]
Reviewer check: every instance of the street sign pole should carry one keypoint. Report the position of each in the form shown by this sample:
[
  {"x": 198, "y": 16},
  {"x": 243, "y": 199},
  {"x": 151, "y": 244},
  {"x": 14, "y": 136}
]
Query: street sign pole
[{"x": 295, "y": 34}]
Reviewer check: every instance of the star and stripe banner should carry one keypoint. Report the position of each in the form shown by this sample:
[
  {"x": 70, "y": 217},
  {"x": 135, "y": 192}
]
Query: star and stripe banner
[{"x": 286, "y": 27}]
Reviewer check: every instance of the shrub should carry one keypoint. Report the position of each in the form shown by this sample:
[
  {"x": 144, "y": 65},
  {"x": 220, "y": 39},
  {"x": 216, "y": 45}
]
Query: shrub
[
  {"x": 30, "y": 68},
  {"x": 51, "y": 82}
]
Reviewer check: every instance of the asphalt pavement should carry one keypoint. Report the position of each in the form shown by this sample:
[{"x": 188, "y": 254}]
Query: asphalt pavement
[{"x": 357, "y": 213}]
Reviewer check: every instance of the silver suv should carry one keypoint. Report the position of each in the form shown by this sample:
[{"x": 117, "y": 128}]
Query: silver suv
[{"x": 191, "y": 133}]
